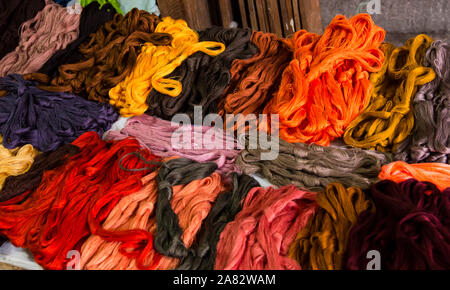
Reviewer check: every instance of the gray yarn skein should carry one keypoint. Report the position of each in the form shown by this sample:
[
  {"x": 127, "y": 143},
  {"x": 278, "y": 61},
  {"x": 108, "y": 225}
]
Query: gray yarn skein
[
  {"x": 313, "y": 167},
  {"x": 429, "y": 141}
]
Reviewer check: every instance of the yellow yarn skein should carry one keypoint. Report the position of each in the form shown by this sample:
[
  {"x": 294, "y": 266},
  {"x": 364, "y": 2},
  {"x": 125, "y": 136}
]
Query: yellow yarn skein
[
  {"x": 14, "y": 162},
  {"x": 389, "y": 118},
  {"x": 154, "y": 63}
]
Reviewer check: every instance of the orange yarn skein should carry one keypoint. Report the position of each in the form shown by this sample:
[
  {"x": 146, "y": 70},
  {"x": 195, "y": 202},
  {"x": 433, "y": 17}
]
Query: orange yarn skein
[{"x": 327, "y": 83}]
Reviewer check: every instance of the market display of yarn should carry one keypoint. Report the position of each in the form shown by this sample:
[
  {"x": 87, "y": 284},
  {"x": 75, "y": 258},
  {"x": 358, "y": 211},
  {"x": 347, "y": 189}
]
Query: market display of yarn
[{"x": 363, "y": 159}]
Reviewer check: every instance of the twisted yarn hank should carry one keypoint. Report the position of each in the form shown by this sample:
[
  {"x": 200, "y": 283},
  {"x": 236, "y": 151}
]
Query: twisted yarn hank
[
  {"x": 164, "y": 139},
  {"x": 321, "y": 245},
  {"x": 388, "y": 120},
  {"x": 260, "y": 235},
  {"x": 52, "y": 29},
  {"x": 255, "y": 80},
  {"x": 12, "y": 14},
  {"x": 15, "y": 162},
  {"x": 410, "y": 228},
  {"x": 327, "y": 84},
  {"x": 191, "y": 203},
  {"x": 53, "y": 219},
  {"x": 313, "y": 167},
  {"x": 202, "y": 254},
  {"x": 436, "y": 173},
  {"x": 46, "y": 120},
  {"x": 91, "y": 19},
  {"x": 155, "y": 63},
  {"x": 17, "y": 185},
  {"x": 429, "y": 141},
  {"x": 204, "y": 78},
  {"x": 168, "y": 237},
  {"x": 108, "y": 57}
]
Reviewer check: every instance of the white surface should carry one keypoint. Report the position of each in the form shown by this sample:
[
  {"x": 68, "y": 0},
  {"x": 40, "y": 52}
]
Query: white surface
[{"x": 17, "y": 257}]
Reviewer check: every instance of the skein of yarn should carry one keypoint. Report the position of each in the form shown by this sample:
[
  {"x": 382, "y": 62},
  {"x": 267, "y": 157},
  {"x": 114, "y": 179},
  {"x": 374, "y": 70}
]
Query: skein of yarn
[
  {"x": 254, "y": 81},
  {"x": 17, "y": 185},
  {"x": 168, "y": 237},
  {"x": 321, "y": 245},
  {"x": 388, "y": 120},
  {"x": 52, "y": 29},
  {"x": 410, "y": 228},
  {"x": 327, "y": 84},
  {"x": 313, "y": 167},
  {"x": 12, "y": 14},
  {"x": 14, "y": 162},
  {"x": 53, "y": 219},
  {"x": 167, "y": 139},
  {"x": 436, "y": 173},
  {"x": 108, "y": 57},
  {"x": 29, "y": 115},
  {"x": 91, "y": 19},
  {"x": 260, "y": 235},
  {"x": 130, "y": 95},
  {"x": 429, "y": 141},
  {"x": 202, "y": 254},
  {"x": 133, "y": 213},
  {"x": 191, "y": 203},
  {"x": 204, "y": 78}
]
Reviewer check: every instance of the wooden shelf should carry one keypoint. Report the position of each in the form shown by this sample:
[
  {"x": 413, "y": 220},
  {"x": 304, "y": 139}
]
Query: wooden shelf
[{"x": 282, "y": 17}]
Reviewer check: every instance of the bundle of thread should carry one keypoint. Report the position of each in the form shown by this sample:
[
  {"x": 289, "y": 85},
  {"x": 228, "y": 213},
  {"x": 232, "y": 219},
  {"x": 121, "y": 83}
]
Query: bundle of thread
[
  {"x": 260, "y": 235},
  {"x": 29, "y": 115},
  {"x": 436, "y": 173},
  {"x": 113, "y": 3},
  {"x": 29, "y": 181},
  {"x": 388, "y": 120},
  {"x": 429, "y": 141},
  {"x": 155, "y": 63},
  {"x": 204, "y": 78},
  {"x": 321, "y": 245},
  {"x": 202, "y": 254},
  {"x": 91, "y": 19},
  {"x": 327, "y": 84},
  {"x": 410, "y": 228},
  {"x": 199, "y": 143},
  {"x": 191, "y": 203},
  {"x": 12, "y": 14},
  {"x": 108, "y": 57},
  {"x": 255, "y": 80},
  {"x": 313, "y": 167},
  {"x": 53, "y": 219},
  {"x": 52, "y": 29},
  {"x": 126, "y": 223},
  {"x": 15, "y": 162},
  {"x": 169, "y": 234}
]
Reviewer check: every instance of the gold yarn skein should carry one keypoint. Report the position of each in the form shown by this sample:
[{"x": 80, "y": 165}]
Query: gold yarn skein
[
  {"x": 322, "y": 243},
  {"x": 155, "y": 63},
  {"x": 14, "y": 162},
  {"x": 389, "y": 118}
]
